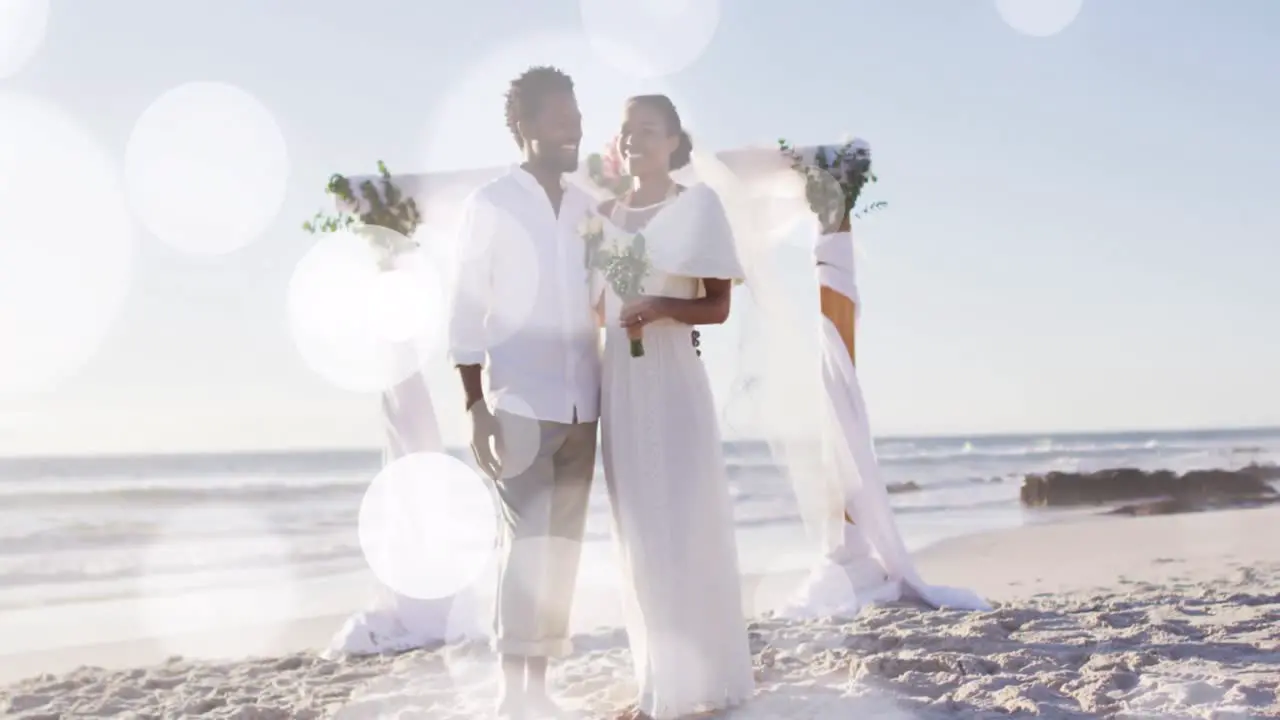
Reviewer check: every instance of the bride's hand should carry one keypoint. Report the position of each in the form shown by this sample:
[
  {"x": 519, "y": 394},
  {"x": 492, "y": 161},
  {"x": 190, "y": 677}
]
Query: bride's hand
[{"x": 641, "y": 312}]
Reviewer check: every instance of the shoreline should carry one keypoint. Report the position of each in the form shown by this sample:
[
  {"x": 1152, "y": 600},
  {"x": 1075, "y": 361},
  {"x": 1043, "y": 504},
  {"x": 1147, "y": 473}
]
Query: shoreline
[
  {"x": 47, "y": 636},
  {"x": 297, "y": 635},
  {"x": 769, "y": 585},
  {"x": 1096, "y": 616},
  {"x": 312, "y": 632}
]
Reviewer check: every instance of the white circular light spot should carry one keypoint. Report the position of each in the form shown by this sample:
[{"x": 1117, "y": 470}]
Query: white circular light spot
[
  {"x": 442, "y": 215},
  {"x": 470, "y": 617},
  {"x": 457, "y": 135},
  {"x": 235, "y": 593},
  {"x": 536, "y": 565},
  {"x": 651, "y": 38},
  {"x": 774, "y": 195},
  {"x": 498, "y": 266},
  {"x": 1039, "y": 18},
  {"x": 468, "y": 128},
  {"x": 403, "y": 305},
  {"x": 360, "y": 327},
  {"x": 206, "y": 168},
  {"x": 428, "y": 525},
  {"x": 23, "y": 25},
  {"x": 521, "y": 435},
  {"x": 66, "y": 245}
]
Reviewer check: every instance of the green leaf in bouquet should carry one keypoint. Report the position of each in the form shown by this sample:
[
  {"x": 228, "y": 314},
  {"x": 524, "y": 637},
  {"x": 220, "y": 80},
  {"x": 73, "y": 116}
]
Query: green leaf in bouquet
[{"x": 389, "y": 209}]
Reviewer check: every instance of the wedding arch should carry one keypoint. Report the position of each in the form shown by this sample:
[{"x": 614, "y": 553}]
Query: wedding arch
[{"x": 861, "y": 558}]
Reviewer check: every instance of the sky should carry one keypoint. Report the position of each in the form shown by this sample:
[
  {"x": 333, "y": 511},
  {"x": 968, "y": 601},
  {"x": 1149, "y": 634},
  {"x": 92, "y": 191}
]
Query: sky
[{"x": 1081, "y": 231}]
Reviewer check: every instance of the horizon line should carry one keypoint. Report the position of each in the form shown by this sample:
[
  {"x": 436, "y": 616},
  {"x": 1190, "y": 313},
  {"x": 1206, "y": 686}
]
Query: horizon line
[{"x": 889, "y": 437}]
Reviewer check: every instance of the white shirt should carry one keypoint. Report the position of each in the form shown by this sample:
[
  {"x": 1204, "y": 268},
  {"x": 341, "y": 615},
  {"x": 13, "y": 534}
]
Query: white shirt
[{"x": 521, "y": 300}]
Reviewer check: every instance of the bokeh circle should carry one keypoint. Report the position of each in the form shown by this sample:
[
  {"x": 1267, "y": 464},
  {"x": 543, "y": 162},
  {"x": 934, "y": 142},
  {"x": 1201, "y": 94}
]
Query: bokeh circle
[
  {"x": 468, "y": 127},
  {"x": 774, "y": 194},
  {"x": 458, "y": 135},
  {"x": 207, "y": 168},
  {"x": 1039, "y": 18},
  {"x": 498, "y": 271},
  {"x": 650, "y": 38},
  {"x": 535, "y": 565},
  {"x": 406, "y": 303},
  {"x": 361, "y": 327},
  {"x": 66, "y": 258},
  {"x": 521, "y": 434},
  {"x": 427, "y": 525},
  {"x": 23, "y": 26}
]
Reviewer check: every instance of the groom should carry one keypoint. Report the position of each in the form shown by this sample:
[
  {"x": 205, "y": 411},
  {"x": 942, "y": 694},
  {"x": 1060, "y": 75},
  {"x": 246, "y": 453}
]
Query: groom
[{"x": 541, "y": 353}]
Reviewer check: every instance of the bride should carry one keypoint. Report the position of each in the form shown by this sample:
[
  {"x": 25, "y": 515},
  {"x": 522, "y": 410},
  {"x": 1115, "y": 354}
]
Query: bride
[{"x": 663, "y": 462}]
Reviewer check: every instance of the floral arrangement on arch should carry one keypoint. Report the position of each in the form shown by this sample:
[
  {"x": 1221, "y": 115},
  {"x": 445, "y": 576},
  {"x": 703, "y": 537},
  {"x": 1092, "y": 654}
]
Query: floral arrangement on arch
[
  {"x": 849, "y": 166},
  {"x": 385, "y": 207},
  {"x": 604, "y": 169}
]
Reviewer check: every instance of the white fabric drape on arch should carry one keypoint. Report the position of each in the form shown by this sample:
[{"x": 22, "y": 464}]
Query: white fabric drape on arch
[
  {"x": 392, "y": 622},
  {"x": 828, "y": 455},
  {"x": 851, "y": 454}
]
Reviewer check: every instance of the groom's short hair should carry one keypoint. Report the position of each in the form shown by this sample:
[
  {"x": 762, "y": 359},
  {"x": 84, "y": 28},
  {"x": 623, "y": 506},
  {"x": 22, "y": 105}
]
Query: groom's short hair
[{"x": 528, "y": 92}]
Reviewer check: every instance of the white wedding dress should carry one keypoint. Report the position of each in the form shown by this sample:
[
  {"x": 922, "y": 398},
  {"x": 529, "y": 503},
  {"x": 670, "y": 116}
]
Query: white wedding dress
[{"x": 666, "y": 475}]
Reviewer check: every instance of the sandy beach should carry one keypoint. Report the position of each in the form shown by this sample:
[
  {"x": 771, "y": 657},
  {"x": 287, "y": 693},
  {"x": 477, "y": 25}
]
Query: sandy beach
[{"x": 1162, "y": 617}]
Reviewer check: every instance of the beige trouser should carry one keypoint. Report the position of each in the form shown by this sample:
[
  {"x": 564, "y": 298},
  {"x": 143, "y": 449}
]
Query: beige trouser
[{"x": 544, "y": 509}]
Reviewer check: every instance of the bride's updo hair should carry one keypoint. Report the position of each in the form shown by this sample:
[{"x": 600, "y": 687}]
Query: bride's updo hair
[{"x": 683, "y": 153}]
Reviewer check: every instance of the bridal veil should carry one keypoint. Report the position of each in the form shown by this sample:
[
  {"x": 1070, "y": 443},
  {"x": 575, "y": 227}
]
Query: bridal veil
[{"x": 803, "y": 397}]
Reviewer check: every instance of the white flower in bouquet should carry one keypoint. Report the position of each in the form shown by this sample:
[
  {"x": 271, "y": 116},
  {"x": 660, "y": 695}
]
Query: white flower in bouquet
[{"x": 591, "y": 226}]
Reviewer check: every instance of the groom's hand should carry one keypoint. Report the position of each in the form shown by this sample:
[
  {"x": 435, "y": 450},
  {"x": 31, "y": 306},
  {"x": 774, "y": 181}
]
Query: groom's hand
[{"x": 486, "y": 440}]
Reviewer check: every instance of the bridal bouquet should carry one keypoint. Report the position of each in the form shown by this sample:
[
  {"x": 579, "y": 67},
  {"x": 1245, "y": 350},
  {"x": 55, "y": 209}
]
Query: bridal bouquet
[
  {"x": 605, "y": 170},
  {"x": 624, "y": 270},
  {"x": 834, "y": 180},
  {"x": 386, "y": 208}
]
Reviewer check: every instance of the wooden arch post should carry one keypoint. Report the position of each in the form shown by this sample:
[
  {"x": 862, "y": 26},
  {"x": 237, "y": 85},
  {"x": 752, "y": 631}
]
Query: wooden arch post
[{"x": 841, "y": 309}]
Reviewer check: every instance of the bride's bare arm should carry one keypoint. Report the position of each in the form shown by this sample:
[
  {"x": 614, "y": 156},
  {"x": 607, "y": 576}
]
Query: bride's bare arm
[{"x": 711, "y": 309}]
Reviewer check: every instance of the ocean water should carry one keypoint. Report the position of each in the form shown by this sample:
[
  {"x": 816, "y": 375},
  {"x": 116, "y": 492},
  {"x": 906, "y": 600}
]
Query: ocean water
[{"x": 85, "y": 532}]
